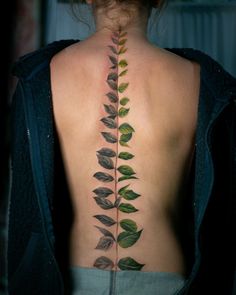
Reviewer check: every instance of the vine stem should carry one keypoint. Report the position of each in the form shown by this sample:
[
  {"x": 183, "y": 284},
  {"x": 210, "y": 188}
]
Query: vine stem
[{"x": 117, "y": 210}]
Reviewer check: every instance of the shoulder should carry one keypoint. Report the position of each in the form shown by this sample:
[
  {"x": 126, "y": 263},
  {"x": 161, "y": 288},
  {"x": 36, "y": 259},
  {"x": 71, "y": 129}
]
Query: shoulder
[
  {"x": 215, "y": 76},
  {"x": 27, "y": 65}
]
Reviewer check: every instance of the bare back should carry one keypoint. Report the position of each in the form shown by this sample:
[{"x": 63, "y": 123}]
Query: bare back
[{"x": 127, "y": 142}]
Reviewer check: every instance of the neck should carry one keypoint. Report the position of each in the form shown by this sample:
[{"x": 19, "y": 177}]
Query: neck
[
  {"x": 133, "y": 32},
  {"x": 116, "y": 19}
]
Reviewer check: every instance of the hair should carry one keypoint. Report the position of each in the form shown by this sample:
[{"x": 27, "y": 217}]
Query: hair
[
  {"x": 143, "y": 6},
  {"x": 139, "y": 3}
]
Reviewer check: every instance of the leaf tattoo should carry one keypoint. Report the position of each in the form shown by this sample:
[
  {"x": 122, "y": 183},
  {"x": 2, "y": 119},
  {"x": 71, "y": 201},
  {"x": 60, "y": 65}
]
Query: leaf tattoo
[
  {"x": 128, "y": 225},
  {"x": 127, "y": 208},
  {"x": 106, "y": 232},
  {"x": 109, "y": 137},
  {"x": 126, "y": 128},
  {"x": 123, "y": 112},
  {"x": 125, "y": 155},
  {"x": 104, "y": 203},
  {"x": 112, "y": 97},
  {"x": 107, "y": 152},
  {"x": 102, "y": 176},
  {"x": 113, "y": 49},
  {"x": 103, "y": 263},
  {"x": 105, "y": 243},
  {"x": 103, "y": 192},
  {"x": 123, "y": 63},
  {"x": 128, "y": 263},
  {"x": 110, "y": 109},
  {"x": 124, "y": 101},
  {"x": 123, "y": 87},
  {"x": 110, "y": 123},
  {"x": 105, "y": 162},
  {"x": 106, "y": 220},
  {"x": 126, "y": 170},
  {"x": 107, "y": 158},
  {"x": 128, "y": 238}
]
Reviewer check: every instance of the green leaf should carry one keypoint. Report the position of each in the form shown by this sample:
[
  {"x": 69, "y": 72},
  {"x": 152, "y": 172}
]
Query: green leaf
[
  {"x": 128, "y": 225},
  {"x": 130, "y": 195},
  {"x": 123, "y": 63},
  {"x": 125, "y": 155},
  {"x": 126, "y": 177},
  {"x": 124, "y": 101},
  {"x": 126, "y": 170},
  {"x": 122, "y": 87},
  {"x": 122, "y": 190},
  {"x": 123, "y": 112},
  {"x": 122, "y": 50},
  {"x": 127, "y": 238},
  {"x": 123, "y": 143},
  {"x": 128, "y": 263},
  {"x": 125, "y": 128},
  {"x": 123, "y": 34},
  {"x": 125, "y": 137},
  {"x": 122, "y": 41},
  {"x": 123, "y": 73},
  {"x": 127, "y": 208}
]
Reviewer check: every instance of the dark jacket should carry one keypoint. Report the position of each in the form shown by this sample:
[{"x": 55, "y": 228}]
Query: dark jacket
[{"x": 39, "y": 210}]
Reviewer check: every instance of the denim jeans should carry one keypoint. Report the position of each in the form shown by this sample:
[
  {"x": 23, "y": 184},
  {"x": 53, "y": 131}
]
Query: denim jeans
[{"x": 93, "y": 281}]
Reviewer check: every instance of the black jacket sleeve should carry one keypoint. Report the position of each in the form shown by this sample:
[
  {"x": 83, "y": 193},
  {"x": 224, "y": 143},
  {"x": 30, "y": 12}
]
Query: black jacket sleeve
[{"x": 24, "y": 224}]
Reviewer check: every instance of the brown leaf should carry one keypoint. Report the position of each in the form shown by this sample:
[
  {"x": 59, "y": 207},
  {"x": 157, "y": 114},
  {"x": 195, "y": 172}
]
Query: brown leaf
[
  {"x": 106, "y": 232},
  {"x": 105, "y": 162},
  {"x": 105, "y": 243},
  {"x": 104, "y": 203},
  {"x": 110, "y": 109},
  {"x": 107, "y": 152},
  {"x": 112, "y": 76},
  {"x": 110, "y": 123},
  {"x": 102, "y": 176},
  {"x": 113, "y": 49},
  {"x": 112, "y": 97},
  {"x": 112, "y": 84},
  {"x": 109, "y": 137},
  {"x": 103, "y": 263}
]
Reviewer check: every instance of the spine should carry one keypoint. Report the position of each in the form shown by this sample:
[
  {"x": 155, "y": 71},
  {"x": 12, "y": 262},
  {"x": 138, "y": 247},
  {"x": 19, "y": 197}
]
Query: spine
[{"x": 108, "y": 158}]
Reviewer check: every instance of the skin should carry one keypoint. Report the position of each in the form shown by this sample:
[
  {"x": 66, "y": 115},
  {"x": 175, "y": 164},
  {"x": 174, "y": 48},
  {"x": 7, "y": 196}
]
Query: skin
[{"x": 158, "y": 124}]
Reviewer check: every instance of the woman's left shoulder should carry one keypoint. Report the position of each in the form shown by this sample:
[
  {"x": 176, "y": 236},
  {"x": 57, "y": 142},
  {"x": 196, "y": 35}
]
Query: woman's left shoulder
[{"x": 27, "y": 63}]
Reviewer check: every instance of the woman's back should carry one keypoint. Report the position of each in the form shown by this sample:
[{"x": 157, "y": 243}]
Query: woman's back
[{"x": 143, "y": 144}]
